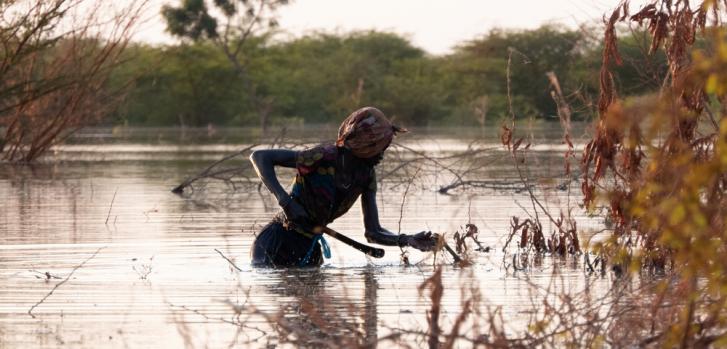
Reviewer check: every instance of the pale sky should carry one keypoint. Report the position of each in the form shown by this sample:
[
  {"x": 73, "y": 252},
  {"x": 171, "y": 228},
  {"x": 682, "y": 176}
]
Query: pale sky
[{"x": 434, "y": 25}]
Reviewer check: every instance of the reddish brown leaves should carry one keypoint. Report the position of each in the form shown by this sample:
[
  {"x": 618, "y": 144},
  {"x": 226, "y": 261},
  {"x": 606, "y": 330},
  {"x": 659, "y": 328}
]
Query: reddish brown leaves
[
  {"x": 613, "y": 162},
  {"x": 562, "y": 242}
]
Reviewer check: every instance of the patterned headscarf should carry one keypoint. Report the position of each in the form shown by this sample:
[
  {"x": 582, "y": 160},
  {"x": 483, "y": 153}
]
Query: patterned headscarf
[{"x": 367, "y": 132}]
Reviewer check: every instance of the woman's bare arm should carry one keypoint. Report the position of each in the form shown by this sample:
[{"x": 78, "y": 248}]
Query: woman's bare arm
[
  {"x": 375, "y": 233},
  {"x": 264, "y": 162}
]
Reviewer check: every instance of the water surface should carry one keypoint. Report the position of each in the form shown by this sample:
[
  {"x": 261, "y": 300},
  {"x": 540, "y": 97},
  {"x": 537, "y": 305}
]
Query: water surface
[{"x": 157, "y": 280}]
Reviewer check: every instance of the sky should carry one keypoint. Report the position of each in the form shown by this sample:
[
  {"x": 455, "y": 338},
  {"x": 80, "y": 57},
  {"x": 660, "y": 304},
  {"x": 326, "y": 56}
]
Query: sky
[{"x": 434, "y": 25}]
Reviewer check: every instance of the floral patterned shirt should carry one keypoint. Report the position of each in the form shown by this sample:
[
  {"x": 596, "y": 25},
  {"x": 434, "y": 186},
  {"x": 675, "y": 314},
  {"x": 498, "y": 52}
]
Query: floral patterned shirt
[{"x": 316, "y": 187}]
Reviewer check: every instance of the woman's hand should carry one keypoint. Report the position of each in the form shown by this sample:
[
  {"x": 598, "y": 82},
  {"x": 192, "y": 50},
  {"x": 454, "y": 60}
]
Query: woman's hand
[
  {"x": 294, "y": 212},
  {"x": 423, "y": 241}
]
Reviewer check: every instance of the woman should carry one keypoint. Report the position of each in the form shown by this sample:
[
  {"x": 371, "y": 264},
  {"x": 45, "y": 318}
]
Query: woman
[{"x": 329, "y": 179}]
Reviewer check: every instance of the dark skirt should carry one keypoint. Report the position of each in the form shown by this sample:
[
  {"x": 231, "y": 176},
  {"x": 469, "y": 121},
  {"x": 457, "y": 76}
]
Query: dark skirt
[{"x": 277, "y": 246}]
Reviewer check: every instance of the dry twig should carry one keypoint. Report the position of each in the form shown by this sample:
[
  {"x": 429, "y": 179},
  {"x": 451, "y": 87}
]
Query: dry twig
[
  {"x": 30, "y": 311},
  {"x": 228, "y": 260}
]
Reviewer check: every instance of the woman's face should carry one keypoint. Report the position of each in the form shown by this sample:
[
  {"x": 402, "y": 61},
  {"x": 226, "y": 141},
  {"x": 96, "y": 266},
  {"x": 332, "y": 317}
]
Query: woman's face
[
  {"x": 375, "y": 160},
  {"x": 372, "y": 161}
]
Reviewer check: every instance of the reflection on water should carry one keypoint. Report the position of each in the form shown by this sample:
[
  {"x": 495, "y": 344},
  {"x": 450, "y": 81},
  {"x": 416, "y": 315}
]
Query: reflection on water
[{"x": 158, "y": 281}]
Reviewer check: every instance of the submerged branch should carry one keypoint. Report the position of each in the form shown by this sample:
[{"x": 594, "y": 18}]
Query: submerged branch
[
  {"x": 228, "y": 260},
  {"x": 30, "y": 311},
  {"x": 210, "y": 171},
  {"x": 486, "y": 184}
]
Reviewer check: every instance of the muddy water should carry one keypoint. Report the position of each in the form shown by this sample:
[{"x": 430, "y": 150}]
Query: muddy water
[{"x": 152, "y": 276}]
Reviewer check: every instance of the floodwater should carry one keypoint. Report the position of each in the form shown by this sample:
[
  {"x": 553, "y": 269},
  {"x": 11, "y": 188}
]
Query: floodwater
[{"x": 129, "y": 264}]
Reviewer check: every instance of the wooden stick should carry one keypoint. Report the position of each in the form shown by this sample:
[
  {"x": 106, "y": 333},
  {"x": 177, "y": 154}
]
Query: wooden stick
[{"x": 368, "y": 250}]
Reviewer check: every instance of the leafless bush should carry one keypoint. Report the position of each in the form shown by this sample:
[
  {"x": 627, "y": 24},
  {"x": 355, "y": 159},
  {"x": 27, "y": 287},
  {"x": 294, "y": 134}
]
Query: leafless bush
[{"x": 53, "y": 80}]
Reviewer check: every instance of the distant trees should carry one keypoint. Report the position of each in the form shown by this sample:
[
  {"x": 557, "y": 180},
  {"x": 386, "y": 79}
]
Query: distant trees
[
  {"x": 325, "y": 77},
  {"x": 228, "y": 28},
  {"x": 191, "y": 85},
  {"x": 535, "y": 52},
  {"x": 321, "y": 77},
  {"x": 315, "y": 79}
]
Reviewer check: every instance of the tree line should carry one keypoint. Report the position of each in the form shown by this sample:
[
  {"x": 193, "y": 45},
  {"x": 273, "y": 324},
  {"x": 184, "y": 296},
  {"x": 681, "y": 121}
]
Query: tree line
[{"x": 321, "y": 77}]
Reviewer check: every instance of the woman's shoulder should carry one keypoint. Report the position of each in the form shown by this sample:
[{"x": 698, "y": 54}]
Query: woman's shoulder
[
  {"x": 318, "y": 152},
  {"x": 311, "y": 158}
]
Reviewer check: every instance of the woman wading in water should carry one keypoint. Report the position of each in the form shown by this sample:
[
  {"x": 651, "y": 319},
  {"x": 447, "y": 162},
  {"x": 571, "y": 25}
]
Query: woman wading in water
[{"x": 329, "y": 179}]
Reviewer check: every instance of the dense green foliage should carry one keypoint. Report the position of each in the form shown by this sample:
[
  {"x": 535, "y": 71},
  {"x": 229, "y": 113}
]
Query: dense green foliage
[{"x": 322, "y": 77}]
